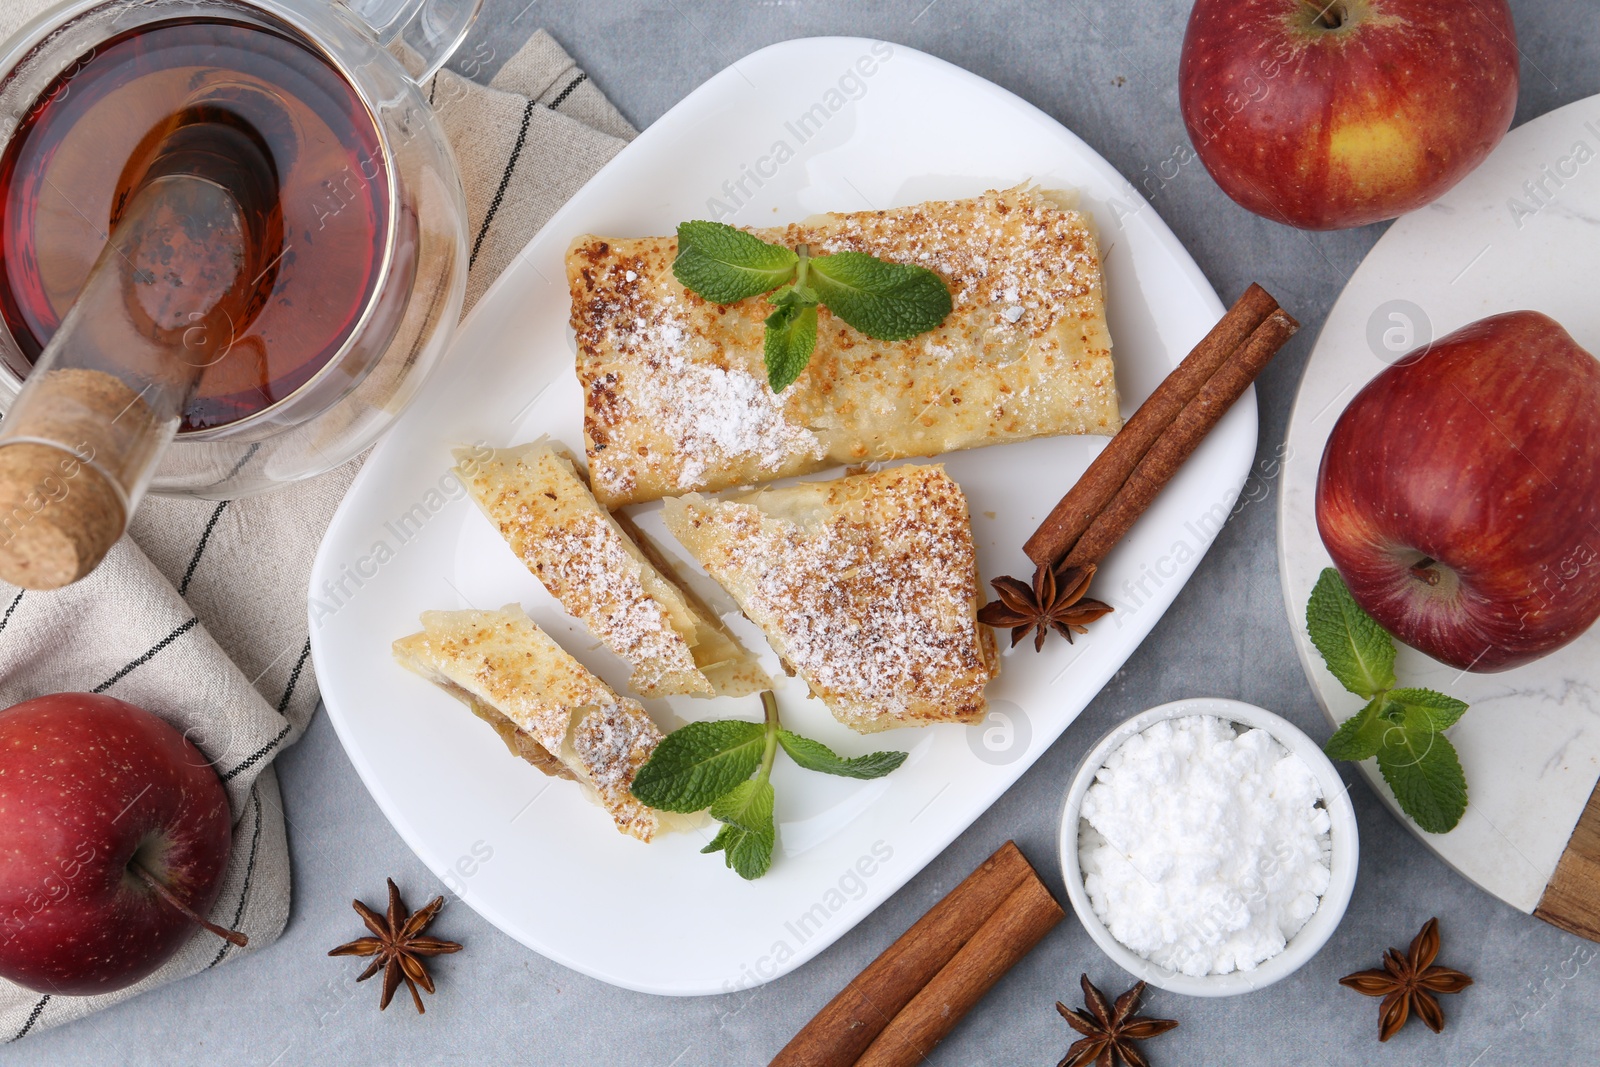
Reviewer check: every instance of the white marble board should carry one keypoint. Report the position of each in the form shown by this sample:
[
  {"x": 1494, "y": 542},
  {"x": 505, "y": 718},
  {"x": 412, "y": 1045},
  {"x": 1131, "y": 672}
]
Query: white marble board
[{"x": 1523, "y": 231}]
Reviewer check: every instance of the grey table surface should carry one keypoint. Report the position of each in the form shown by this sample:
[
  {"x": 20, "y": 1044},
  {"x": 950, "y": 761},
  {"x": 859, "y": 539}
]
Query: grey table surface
[{"x": 1107, "y": 70}]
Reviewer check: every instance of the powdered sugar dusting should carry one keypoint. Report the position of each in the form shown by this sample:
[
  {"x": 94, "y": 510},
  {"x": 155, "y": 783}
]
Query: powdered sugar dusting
[
  {"x": 707, "y": 410},
  {"x": 1020, "y": 264},
  {"x": 873, "y": 605},
  {"x": 719, "y": 415},
  {"x": 675, "y": 394},
  {"x": 613, "y": 742},
  {"x": 554, "y": 525},
  {"x": 503, "y": 661},
  {"x": 586, "y": 567}
]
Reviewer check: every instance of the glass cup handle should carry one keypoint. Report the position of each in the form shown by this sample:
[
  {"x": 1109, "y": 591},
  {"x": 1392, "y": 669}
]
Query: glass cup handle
[{"x": 431, "y": 30}]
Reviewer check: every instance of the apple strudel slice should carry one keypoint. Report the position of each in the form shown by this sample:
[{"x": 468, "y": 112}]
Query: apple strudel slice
[
  {"x": 544, "y": 704},
  {"x": 604, "y": 574},
  {"x": 867, "y": 587},
  {"x": 675, "y": 388}
]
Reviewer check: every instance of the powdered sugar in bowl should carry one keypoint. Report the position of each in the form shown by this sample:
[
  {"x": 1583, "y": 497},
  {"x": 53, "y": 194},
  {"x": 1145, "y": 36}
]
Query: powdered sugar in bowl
[{"x": 1219, "y": 843}]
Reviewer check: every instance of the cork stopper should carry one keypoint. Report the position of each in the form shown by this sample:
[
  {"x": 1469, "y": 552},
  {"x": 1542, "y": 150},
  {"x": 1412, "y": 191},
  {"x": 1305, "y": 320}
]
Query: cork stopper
[
  {"x": 58, "y": 516},
  {"x": 71, "y": 433}
]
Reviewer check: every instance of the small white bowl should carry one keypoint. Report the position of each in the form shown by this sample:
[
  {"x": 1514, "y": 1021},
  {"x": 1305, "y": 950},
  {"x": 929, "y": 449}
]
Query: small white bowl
[{"x": 1341, "y": 860}]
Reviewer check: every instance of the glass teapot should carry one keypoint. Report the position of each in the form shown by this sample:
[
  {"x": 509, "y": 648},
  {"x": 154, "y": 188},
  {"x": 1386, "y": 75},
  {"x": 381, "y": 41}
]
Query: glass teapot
[{"x": 232, "y": 247}]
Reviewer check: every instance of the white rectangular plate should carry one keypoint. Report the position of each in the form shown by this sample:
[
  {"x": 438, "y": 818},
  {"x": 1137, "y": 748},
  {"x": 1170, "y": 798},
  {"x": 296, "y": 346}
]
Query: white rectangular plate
[{"x": 802, "y": 127}]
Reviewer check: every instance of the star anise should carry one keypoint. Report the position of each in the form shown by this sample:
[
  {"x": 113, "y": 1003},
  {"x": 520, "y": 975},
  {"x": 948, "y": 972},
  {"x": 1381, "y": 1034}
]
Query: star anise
[
  {"x": 398, "y": 946},
  {"x": 1055, "y": 600},
  {"x": 1111, "y": 1031},
  {"x": 1408, "y": 983}
]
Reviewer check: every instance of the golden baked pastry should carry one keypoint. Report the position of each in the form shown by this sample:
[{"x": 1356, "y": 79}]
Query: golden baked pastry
[
  {"x": 543, "y": 703},
  {"x": 600, "y": 573},
  {"x": 675, "y": 390},
  {"x": 867, "y": 588}
]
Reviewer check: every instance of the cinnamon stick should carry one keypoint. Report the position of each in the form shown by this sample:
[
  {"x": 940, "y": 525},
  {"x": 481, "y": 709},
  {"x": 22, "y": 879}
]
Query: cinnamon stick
[
  {"x": 1027, "y": 915},
  {"x": 841, "y": 1032},
  {"x": 1067, "y": 522},
  {"x": 1181, "y": 438}
]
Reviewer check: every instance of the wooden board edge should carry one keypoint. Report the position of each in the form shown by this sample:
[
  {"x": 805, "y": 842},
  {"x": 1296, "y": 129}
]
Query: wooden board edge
[{"x": 1571, "y": 898}]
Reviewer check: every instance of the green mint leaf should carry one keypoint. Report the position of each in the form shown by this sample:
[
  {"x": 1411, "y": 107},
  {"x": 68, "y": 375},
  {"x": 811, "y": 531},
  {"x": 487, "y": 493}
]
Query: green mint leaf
[
  {"x": 748, "y": 835},
  {"x": 1360, "y": 736},
  {"x": 1427, "y": 709},
  {"x": 1425, "y": 773},
  {"x": 726, "y": 265},
  {"x": 749, "y": 854},
  {"x": 1358, "y": 652},
  {"x": 725, "y": 834},
  {"x": 747, "y": 806},
  {"x": 816, "y": 756},
  {"x": 796, "y": 297},
  {"x": 698, "y": 763},
  {"x": 791, "y": 338},
  {"x": 888, "y": 301}
]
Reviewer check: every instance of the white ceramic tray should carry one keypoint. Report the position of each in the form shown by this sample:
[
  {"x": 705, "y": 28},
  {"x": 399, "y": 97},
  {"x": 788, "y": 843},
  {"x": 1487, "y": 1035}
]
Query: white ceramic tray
[
  {"x": 1531, "y": 742},
  {"x": 798, "y": 128}
]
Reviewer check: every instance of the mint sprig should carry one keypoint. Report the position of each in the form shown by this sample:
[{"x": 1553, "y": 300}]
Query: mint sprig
[
  {"x": 1402, "y": 727},
  {"x": 886, "y": 301},
  {"x": 710, "y": 764}
]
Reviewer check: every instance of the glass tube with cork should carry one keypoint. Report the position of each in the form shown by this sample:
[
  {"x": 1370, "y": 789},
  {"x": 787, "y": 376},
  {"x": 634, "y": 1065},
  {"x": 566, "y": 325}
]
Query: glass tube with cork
[{"x": 179, "y": 278}]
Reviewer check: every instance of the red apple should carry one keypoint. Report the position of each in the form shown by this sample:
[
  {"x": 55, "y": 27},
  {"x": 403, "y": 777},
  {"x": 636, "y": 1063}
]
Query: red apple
[
  {"x": 1459, "y": 494},
  {"x": 114, "y": 832},
  {"x": 1326, "y": 114}
]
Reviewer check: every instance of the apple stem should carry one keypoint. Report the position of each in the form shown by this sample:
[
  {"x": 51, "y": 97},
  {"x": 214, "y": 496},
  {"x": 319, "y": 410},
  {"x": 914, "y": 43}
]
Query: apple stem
[
  {"x": 232, "y": 936},
  {"x": 1423, "y": 570},
  {"x": 1330, "y": 14}
]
